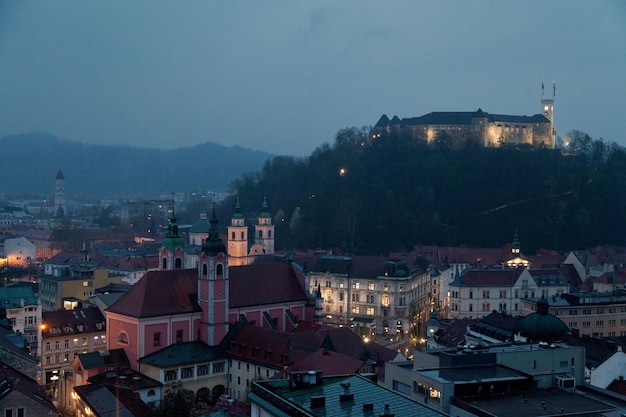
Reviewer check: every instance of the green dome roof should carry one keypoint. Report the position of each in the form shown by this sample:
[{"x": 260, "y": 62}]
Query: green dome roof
[
  {"x": 237, "y": 214},
  {"x": 542, "y": 326},
  {"x": 200, "y": 226}
]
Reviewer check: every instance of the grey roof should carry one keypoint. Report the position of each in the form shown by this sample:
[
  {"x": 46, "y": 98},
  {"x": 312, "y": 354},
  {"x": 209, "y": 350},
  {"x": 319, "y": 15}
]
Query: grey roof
[
  {"x": 462, "y": 118},
  {"x": 364, "y": 391},
  {"x": 182, "y": 354}
]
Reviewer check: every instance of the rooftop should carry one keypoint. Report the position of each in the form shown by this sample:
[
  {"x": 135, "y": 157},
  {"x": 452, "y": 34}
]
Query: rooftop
[{"x": 365, "y": 398}]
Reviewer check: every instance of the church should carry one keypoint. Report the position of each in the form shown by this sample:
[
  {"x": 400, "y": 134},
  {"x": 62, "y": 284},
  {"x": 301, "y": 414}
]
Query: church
[{"x": 204, "y": 287}]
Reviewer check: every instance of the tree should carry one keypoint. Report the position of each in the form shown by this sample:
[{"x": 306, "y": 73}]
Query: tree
[{"x": 178, "y": 401}]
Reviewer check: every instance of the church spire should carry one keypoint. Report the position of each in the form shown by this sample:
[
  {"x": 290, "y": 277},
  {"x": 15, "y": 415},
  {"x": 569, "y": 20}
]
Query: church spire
[
  {"x": 515, "y": 249},
  {"x": 213, "y": 244}
]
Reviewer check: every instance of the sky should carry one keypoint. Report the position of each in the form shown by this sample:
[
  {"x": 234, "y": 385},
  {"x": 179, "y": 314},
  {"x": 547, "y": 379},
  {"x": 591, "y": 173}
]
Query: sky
[{"x": 286, "y": 76}]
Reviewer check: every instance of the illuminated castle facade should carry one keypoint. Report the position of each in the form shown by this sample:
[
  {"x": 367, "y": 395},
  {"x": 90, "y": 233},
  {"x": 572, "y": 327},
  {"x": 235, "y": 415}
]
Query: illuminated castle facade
[{"x": 458, "y": 129}]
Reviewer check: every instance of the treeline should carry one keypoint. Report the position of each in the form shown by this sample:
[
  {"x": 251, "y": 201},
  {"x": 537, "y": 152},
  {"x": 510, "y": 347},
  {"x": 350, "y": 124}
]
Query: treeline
[{"x": 372, "y": 197}]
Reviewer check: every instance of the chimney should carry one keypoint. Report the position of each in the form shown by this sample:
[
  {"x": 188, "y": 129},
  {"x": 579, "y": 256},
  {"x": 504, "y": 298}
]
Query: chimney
[
  {"x": 346, "y": 396},
  {"x": 387, "y": 412}
]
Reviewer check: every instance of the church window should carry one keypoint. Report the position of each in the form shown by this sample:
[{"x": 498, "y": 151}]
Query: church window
[
  {"x": 471, "y": 307},
  {"x": 242, "y": 236},
  {"x": 260, "y": 233},
  {"x": 269, "y": 233},
  {"x": 179, "y": 335},
  {"x": 220, "y": 269},
  {"x": 178, "y": 263},
  {"x": 164, "y": 264},
  {"x": 122, "y": 338},
  {"x": 232, "y": 235},
  {"x": 204, "y": 269},
  {"x": 157, "y": 339}
]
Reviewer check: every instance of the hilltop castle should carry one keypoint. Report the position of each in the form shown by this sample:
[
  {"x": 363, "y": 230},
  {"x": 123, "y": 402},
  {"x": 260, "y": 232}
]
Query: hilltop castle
[{"x": 484, "y": 129}]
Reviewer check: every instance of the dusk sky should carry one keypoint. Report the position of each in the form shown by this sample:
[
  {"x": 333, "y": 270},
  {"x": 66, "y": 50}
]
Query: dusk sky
[{"x": 285, "y": 76}]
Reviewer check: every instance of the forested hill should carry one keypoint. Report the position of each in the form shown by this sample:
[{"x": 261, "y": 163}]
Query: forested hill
[
  {"x": 30, "y": 163},
  {"x": 390, "y": 194}
]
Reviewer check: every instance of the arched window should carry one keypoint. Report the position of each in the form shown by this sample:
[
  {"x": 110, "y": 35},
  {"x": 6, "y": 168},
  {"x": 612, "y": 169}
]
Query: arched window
[
  {"x": 233, "y": 235},
  {"x": 261, "y": 233},
  {"x": 220, "y": 269},
  {"x": 242, "y": 236},
  {"x": 205, "y": 269},
  {"x": 151, "y": 393},
  {"x": 164, "y": 263},
  {"x": 178, "y": 263},
  {"x": 269, "y": 233},
  {"x": 122, "y": 338}
]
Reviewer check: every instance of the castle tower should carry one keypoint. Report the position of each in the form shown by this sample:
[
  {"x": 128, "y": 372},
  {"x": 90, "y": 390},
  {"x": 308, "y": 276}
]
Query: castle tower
[
  {"x": 237, "y": 238},
  {"x": 547, "y": 109},
  {"x": 172, "y": 254},
  {"x": 213, "y": 287},
  {"x": 264, "y": 230},
  {"x": 60, "y": 207}
]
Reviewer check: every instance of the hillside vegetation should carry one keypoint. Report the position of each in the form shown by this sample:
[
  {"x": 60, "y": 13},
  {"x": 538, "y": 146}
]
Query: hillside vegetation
[
  {"x": 389, "y": 194},
  {"x": 30, "y": 163}
]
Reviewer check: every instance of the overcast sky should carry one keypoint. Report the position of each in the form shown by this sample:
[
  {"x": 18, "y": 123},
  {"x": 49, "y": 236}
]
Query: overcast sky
[{"x": 285, "y": 76}]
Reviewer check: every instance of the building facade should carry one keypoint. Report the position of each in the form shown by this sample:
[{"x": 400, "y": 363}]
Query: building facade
[
  {"x": 479, "y": 127},
  {"x": 475, "y": 293},
  {"x": 378, "y": 297}
]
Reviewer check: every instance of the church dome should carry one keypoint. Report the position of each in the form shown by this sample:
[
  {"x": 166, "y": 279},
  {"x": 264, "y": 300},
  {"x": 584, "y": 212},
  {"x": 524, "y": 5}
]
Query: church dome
[
  {"x": 201, "y": 225},
  {"x": 541, "y": 325}
]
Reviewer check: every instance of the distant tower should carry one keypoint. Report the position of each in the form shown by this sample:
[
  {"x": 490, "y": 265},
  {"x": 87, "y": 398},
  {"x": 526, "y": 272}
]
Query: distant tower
[
  {"x": 237, "y": 238},
  {"x": 547, "y": 109},
  {"x": 60, "y": 207},
  {"x": 264, "y": 230},
  {"x": 213, "y": 287},
  {"x": 515, "y": 247},
  {"x": 173, "y": 249}
]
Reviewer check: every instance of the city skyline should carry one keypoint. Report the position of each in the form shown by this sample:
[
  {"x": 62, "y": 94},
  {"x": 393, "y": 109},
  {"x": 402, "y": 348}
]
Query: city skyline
[{"x": 286, "y": 78}]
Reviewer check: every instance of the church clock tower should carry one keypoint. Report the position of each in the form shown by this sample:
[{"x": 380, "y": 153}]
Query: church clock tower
[
  {"x": 264, "y": 230},
  {"x": 173, "y": 249},
  {"x": 213, "y": 287},
  {"x": 237, "y": 238},
  {"x": 60, "y": 208}
]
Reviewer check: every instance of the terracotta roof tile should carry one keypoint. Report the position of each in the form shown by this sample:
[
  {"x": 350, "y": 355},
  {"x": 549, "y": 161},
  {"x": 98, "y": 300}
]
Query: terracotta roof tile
[{"x": 160, "y": 293}]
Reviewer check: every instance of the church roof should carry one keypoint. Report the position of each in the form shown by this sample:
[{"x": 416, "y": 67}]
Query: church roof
[
  {"x": 160, "y": 293},
  {"x": 60, "y": 176},
  {"x": 271, "y": 283},
  {"x": 201, "y": 225}
]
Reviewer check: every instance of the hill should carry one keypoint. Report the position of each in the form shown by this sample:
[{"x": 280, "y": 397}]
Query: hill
[
  {"x": 372, "y": 197},
  {"x": 30, "y": 163}
]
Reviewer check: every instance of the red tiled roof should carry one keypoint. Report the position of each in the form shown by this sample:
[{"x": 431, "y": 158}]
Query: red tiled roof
[
  {"x": 160, "y": 293},
  {"x": 262, "y": 284}
]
